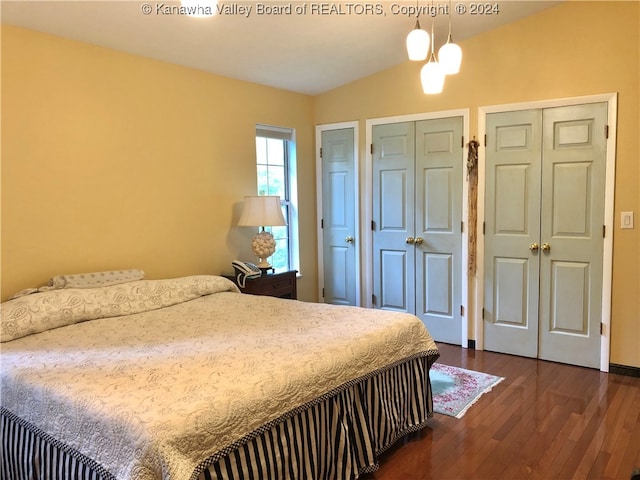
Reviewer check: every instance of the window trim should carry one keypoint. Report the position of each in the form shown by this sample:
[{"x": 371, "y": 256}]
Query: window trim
[{"x": 291, "y": 186}]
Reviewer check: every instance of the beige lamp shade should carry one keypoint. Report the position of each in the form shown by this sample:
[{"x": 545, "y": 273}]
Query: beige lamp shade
[{"x": 262, "y": 211}]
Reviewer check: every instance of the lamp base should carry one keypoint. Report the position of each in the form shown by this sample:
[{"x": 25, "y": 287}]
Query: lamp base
[
  {"x": 263, "y": 246},
  {"x": 263, "y": 264}
]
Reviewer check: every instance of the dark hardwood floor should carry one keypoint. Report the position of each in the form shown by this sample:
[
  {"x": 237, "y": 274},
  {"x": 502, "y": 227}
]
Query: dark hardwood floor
[{"x": 545, "y": 421}]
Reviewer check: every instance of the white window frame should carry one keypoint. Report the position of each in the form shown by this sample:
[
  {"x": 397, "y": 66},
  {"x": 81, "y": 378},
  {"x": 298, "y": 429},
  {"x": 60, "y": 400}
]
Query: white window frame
[{"x": 289, "y": 135}]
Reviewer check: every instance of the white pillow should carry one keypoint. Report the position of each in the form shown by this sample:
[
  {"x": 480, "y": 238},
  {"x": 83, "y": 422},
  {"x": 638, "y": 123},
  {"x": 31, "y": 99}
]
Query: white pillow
[
  {"x": 57, "y": 308},
  {"x": 85, "y": 280}
]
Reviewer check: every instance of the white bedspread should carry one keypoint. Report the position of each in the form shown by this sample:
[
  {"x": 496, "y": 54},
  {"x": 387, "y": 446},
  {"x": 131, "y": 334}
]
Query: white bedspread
[{"x": 152, "y": 394}]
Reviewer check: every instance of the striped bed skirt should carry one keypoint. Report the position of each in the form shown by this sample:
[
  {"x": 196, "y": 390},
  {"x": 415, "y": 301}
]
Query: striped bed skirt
[{"x": 337, "y": 436}]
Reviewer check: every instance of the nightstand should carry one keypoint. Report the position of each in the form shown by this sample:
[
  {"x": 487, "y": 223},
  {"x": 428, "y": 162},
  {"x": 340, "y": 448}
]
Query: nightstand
[{"x": 282, "y": 285}]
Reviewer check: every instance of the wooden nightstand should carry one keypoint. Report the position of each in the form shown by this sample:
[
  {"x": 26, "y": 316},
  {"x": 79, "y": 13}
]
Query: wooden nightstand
[{"x": 282, "y": 285}]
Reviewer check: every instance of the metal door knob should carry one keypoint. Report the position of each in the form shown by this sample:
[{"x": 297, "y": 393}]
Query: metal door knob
[
  {"x": 546, "y": 247},
  {"x": 410, "y": 240},
  {"x": 349, "y": 239},
  {"x": 534, "y": 247},
  {"x": 419, "y": 240}
]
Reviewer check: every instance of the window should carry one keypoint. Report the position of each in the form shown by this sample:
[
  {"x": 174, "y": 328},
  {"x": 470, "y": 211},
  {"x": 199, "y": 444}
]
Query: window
[{"x": 276, "y": 169}]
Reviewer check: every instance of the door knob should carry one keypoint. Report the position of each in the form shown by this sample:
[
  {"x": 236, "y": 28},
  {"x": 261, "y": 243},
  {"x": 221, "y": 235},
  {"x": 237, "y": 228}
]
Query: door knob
[
  {"x": 349, "y": 239},
  {"x": 546, "y": 247},
  {"x": 410, "y": 240},
  {"x": 419, "y": 240},
  {"x": 533, "y": 247}
]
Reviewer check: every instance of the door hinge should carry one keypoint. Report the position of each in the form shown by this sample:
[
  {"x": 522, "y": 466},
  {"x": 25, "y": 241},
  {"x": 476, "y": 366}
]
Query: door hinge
[
  {"x": 322, "y": 292},
  {"x": 373, "y": 300},
  {"x": 483, "y": 227},
  {"x": 483, "y": 313},
  {"x": 320, "y": 152},
  {"x": 604, "y": 231},
  {"x": 461, "y": 227},
  {"x": 322, "y": 223},
  {"x": 371, "y": 149},
  {"x": 462, "y": 310},
  {"x": 606, "y": 131},
  {"x": 373, "y": 225},
  {"x": 462, "y": 141},
  {"x": 485, "y": 139},
  {"x": 601, "y": 328}
]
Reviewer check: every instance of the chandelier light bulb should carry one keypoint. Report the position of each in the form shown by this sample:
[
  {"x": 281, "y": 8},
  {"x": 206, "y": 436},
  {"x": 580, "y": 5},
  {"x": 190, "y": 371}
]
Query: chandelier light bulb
[
  {"x": 418, "y": 43},
  {"x": 450, "y": 57},
  {"x": 432, "y": 77}
]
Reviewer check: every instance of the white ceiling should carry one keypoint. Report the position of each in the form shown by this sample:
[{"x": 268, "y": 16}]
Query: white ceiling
[{"x": 306, "y": 53}]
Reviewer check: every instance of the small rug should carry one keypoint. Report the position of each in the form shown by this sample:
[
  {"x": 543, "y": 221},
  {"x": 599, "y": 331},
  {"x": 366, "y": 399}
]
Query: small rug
[{"x": 456, "y": 389}]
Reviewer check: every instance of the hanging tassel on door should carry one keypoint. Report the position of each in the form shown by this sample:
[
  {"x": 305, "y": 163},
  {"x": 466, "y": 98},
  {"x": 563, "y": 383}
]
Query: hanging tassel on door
[{"x": 472, "y": 177}]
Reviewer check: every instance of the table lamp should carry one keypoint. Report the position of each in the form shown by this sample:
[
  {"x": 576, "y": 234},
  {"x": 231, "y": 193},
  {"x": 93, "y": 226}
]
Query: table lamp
[{"x": 262, "y": 211}]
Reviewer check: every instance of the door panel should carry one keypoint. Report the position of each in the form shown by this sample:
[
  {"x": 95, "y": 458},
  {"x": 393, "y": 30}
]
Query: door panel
[
  {"x": 511, "y": 286},
  {"x": 438, "y": 183},
  {"x": 393, "y": 194},
  {"x": 339, "y": 276},
  {"x": 393, "y": 295},
  {"x": 439, "y": 179},
  {"x": 394, "y": 215},
  {"x": 570, "y": 302},
  {"x": 439, "y": 275},
  {"x": 511, "y": 212},
  {"x": 512, "y": 226},
  {"x": 338, "y": 207},
  {"x": 570, "y": 206},
  {"x": 573, "y": 184}
]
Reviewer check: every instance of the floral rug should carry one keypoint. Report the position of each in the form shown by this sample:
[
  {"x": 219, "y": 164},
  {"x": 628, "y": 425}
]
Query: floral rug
[{"x": 456, "y": 389}]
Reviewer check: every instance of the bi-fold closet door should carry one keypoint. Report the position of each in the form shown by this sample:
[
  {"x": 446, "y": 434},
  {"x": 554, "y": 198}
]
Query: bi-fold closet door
[
  {"x": 544, "y": 217},
  {"x": 417, "y": 213}
]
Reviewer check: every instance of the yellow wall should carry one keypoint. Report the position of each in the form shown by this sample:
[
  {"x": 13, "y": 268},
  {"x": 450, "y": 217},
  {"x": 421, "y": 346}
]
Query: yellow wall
[
  {"x": 113, "y": 161},
  {"x": 575, "y": 49}
]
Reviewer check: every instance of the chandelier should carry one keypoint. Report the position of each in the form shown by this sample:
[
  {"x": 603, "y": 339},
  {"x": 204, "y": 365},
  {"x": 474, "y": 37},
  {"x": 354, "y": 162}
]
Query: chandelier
[{"x": 433, "y": 73}]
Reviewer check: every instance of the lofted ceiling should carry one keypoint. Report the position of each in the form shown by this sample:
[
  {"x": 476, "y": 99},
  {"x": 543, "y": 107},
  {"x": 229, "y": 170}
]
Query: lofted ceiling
[{"x": 312, "y": 48}]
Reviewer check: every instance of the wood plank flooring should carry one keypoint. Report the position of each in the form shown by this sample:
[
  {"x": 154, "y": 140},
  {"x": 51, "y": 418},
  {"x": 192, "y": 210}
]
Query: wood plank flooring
[{"x": 545, "y": 421}]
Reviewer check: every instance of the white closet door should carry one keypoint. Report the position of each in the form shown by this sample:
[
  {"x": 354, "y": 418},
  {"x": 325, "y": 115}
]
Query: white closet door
[
  {"x": 339, "y": 230},
  {"x": 417, "y": 209},
  {"x": 544, "y": 207}
]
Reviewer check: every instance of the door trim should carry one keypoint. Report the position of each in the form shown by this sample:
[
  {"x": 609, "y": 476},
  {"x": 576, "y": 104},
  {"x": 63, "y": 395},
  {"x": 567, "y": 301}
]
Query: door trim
[
  {"x": 607, "y": 255},
  {"x": 367, "y": 234},
  {"x": 319, "y": 213}
]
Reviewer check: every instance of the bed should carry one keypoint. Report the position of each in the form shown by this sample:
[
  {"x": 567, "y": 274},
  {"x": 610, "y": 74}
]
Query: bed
[{"x": 187, "y": 378}]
